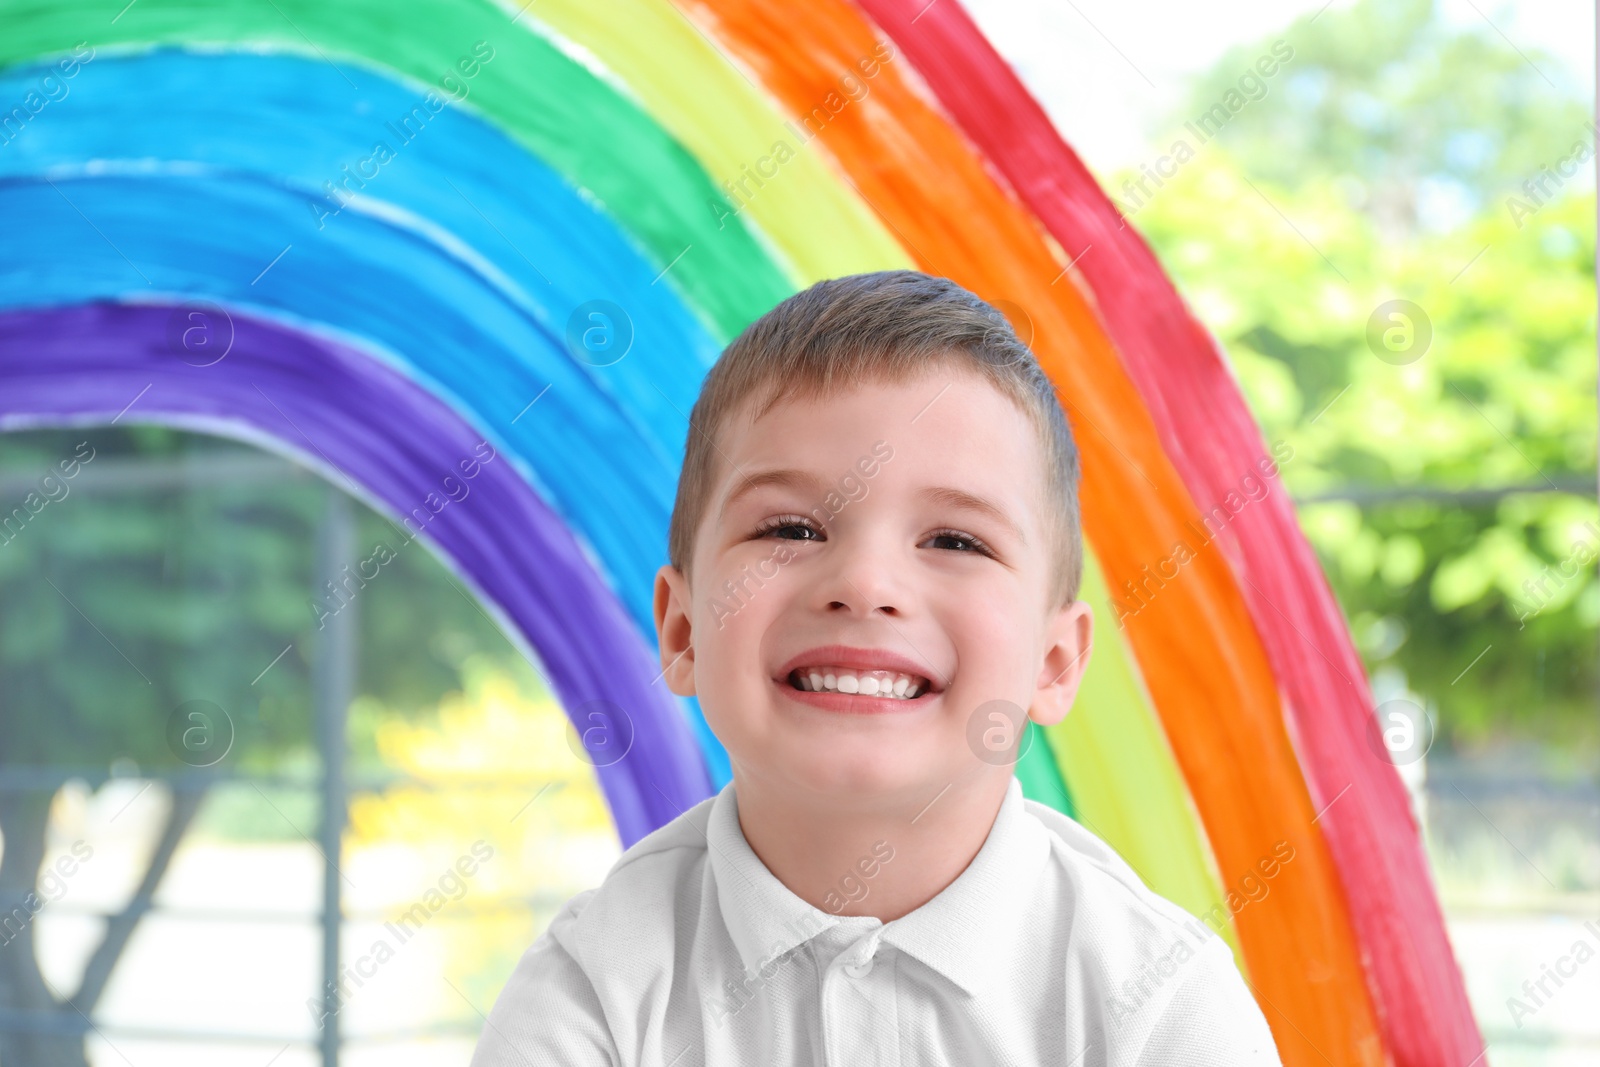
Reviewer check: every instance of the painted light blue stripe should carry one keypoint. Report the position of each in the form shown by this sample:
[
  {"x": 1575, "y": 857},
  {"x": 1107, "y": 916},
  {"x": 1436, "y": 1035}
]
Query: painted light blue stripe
[
  {"x": 281, "y": 390},
  {"x": 393, "y": 291},
  {"x": 479, "y": 194},
  {"x": 449, "y": 177}
]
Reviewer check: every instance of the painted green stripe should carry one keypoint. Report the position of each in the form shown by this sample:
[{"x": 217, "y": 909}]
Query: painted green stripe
[
  {"x": 1039, "y": 775},
  {"x": 1111, "y": 748},
  {"x": 606, "y": 143},
  {"x": 771, "y": 169},
  {"x": 1124, "y": 777},
  {"x": 603, "y": 141}
]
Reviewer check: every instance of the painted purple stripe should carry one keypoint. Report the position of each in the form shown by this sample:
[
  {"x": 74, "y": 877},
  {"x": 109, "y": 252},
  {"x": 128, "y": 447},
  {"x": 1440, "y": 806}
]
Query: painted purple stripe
[{"x": 327, "y": 404}]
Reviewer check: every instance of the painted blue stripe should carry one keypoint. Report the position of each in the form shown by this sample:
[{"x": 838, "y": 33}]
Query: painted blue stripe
[
  {"x": 378, "y": 434},
  {"x": 529, "y": 250},
  {"x": 378, "y": 287}
]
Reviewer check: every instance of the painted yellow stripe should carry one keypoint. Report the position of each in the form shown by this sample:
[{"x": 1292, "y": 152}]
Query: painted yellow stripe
[
  {"x": 1112, "y": 750},
  {"x": 814, "y": 225}
]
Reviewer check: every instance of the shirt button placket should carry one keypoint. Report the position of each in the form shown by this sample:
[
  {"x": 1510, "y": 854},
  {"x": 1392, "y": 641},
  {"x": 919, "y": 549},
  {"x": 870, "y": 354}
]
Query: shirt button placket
[{"x": 860, "y": 1010}]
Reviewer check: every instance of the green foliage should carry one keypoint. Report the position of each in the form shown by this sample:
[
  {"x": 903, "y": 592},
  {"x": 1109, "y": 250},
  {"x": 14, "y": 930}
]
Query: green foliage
[
  {"x": 1268, "y": 240},
  {"x": 120, "y": 606},
  {"x": 1402, "y": 112}
]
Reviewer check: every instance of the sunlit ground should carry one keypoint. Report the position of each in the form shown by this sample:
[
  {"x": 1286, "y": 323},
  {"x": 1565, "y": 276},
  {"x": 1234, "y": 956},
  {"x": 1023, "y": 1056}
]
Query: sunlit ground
[{"x": 232, "y": 954}]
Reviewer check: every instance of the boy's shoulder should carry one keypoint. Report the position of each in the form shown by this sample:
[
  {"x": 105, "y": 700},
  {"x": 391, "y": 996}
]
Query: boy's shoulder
[
  {"x": 655, "y": 881},
  {"x": 1157, "y": 974},
  {"x": 602, "y": 946},
  {"x": 1107, "y": 899},
  {"x": 680, "y": 841},
  {"x": 1100, "y": 870}
]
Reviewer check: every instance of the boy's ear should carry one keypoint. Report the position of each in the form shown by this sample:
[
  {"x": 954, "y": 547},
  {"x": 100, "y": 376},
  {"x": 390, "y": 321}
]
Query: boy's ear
[
  {"x": 674, "y": 632},
  {"x": 1068, "y": 642}
]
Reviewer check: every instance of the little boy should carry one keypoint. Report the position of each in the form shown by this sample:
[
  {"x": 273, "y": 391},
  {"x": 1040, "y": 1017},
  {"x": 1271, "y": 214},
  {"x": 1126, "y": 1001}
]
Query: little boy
[{"x": 872, "y": 887}]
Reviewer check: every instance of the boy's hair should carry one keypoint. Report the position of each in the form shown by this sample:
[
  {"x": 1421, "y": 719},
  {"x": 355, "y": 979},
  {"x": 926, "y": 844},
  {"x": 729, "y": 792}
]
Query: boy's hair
[{"x": 885, "y": 326}]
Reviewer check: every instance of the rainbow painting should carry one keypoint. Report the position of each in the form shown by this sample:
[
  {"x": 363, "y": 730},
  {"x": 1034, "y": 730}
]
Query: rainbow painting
[{"x": 378, "y": 239}]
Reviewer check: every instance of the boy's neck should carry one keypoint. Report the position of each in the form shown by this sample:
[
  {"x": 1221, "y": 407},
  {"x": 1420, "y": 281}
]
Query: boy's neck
[{"x": 826, "y": 853}]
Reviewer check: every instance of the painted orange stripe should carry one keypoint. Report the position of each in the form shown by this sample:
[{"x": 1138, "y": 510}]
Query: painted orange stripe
[
  {"x": 1212, "y": 437},
  {"x": 1202, "y": 660}
]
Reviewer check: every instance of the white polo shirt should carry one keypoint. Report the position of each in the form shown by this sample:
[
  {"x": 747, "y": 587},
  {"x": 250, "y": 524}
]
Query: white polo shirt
[{"x": 1047, "y": 949}]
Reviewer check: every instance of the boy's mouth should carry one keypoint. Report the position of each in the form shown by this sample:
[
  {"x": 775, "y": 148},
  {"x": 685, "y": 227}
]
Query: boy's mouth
[
  {"x": 886, "y": 685},
  {"x": 858, "y": 681}
]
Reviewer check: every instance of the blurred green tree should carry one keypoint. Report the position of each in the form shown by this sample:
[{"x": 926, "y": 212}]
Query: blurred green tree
[
  {"x": 121, "y": 606},
  {"x": 1418, "y": 121},
  {"x": 1290, "y": 232}
]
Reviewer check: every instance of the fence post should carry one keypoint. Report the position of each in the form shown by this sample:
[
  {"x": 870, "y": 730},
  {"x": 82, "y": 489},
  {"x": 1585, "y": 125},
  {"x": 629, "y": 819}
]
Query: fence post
[{"x": 332, "y": 687}]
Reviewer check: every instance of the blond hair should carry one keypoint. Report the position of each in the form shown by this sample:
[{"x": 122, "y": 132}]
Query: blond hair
[{"x": 886, "y": 326}]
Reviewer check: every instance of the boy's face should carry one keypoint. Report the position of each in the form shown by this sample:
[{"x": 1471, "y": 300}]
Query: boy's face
[{"x": 861, "y": 550}]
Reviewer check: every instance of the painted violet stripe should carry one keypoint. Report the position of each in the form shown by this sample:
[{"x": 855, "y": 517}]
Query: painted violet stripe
[{"x": 327, "y": 404}]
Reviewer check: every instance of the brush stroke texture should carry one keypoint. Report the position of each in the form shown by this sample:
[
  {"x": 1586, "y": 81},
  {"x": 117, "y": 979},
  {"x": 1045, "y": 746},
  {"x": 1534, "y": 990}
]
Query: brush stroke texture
[
  {"x": 229, "y": 113},
  {"x": 1210, "y": 435},
  {"x": 324, "y": 405},
  {"x": 607, "y": 467},
  {"x": 1197, "y": 647},
  {"x": 539, "y": 96},
  {"x": 1165, "y": 843},
  {"x": 460, "y": 175},
  {"x": 658, "y": 258}
]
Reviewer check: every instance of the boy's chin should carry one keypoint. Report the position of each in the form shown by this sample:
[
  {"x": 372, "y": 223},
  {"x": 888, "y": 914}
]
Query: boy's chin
[{"x": 863, "y": 772}]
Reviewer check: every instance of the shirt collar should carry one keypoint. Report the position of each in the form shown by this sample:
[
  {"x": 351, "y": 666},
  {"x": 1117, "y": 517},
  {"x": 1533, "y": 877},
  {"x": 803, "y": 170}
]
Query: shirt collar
[
  {"x": 966, "y": 933},
  {"x": 763, "y": 916},
  {"x": 969, "y": 932}
]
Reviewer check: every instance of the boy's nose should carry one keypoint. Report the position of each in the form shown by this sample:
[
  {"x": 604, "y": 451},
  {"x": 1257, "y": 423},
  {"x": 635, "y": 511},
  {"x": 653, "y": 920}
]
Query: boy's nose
[
  {"x": 867, "y": 591},
  {"x": 887, "y": 609}
]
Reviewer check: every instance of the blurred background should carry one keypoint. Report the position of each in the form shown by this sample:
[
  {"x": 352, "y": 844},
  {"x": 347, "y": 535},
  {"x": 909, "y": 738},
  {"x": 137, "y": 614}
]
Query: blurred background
[{"x": 1444, "y": 468}]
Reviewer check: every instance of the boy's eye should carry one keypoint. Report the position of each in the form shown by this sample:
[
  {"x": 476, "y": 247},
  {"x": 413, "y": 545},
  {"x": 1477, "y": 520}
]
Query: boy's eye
[
  {"x": 788, "y": 522},
  {"x": 956, "y": 541},
  {"x": 972, "y": 544}
]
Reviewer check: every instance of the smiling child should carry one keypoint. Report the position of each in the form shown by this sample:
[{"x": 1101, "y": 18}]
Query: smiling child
[{"x": 875, "y": 558}]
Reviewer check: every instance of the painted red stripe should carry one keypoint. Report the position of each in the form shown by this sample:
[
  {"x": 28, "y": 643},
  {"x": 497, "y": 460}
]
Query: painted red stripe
[{"x": 1213, "y": 440}]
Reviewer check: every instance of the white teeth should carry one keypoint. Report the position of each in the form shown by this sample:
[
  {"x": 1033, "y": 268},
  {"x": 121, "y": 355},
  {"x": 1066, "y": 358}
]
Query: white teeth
[{"x": 890, "y": 685}]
